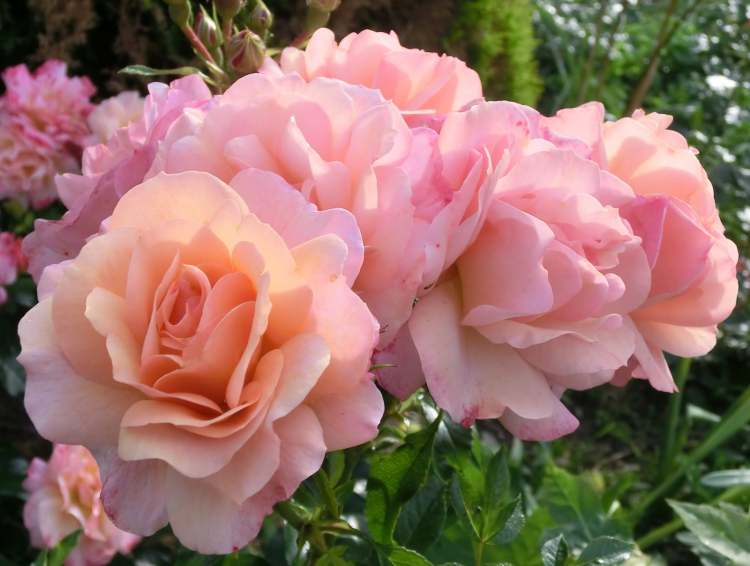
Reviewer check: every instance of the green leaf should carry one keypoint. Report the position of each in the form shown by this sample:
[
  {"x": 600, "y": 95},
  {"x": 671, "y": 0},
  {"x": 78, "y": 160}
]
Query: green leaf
[
  {"x": 334, "y": 557},
  {"x": 576, "y": 508},
  {"x": 394, "y": 479},
  {"x": 555, "y": 551},
  {"x": 56, "y": 556},
  {"x": 606, "y": 551},
  {"x": 400, "y": 556},
  {"x": 496, "y": 508},
  {"x": 727, "y": 478},
  {"x": 722, "y": 528},
  {"x": 524, "y": 549},
  {"x": 146, "y": 71},
  {"x": 422, "y": 518},
  {"x": 513, "y": 524}
]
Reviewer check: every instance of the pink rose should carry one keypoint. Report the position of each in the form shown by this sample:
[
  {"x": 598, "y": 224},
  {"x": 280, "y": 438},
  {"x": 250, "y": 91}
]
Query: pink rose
[
  {"x": 109, "y": 171},
  {"x": 114, "y": 113},
  {"x": 693, "y": 265},
  {"x": 534, "y": 305},
  {"x": 49, "y": 107},
  {"x": 11, "y": 262},
  {"x": 28, "y": 167},
  {"x": 63, "y": 498},
  {"x": 414, "y": 80},
  {"x": 208, "y": 349}
]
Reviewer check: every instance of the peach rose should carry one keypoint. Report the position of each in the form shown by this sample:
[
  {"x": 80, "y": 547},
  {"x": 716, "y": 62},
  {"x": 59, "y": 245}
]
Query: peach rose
[
  {"x": 114, "y": 113},
  {"x": 208, "y": 349},
  {"x": 109, "y": 171},
  {"x": 414, "y": 80},
  {"x": 693, "y": 264},
  {"x": 63, "y": 498}
]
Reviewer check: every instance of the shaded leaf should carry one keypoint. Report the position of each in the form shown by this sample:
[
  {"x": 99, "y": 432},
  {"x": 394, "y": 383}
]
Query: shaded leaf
[
  {"x": 727, "y": 478},
  {"x": 722, "y": 528},
  {"x": 422, "y": 518},
  {"x": 555, "y": 551},
  {"x": 394, "y": 479}
]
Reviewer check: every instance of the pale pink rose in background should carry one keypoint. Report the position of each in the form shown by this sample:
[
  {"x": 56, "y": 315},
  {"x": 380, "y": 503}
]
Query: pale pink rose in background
[
  {"x": 48, "y": 106},
  {"x": 28, "y": 168},
  {"x": 693, "y": 264},
  {"x": 64, "y": 498},
  {"x": 414, "y": 80},
  {"x": 109, "y": 171},
  {"x": 114, "y": 113},
  {"x": 12, "y": 261},
  {"x": 208, "y": 349}
]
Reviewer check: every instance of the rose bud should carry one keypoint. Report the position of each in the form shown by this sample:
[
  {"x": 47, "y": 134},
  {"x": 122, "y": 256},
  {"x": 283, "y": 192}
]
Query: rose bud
[{"x": 246, "y": 52}]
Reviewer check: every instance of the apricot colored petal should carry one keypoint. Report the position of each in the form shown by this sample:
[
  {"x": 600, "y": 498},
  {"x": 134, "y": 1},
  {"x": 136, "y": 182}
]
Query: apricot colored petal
[{"x": 54, "y": 390}]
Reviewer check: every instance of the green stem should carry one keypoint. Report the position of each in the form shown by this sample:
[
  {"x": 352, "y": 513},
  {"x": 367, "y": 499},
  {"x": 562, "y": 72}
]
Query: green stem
[
  {"x": 732, "y": 422},
  {"x": 479, "y": 552},
  {"x": 673, "y": 418},
  {"x": 329, "y": 497},
  {"x": 667, "y": 529}
]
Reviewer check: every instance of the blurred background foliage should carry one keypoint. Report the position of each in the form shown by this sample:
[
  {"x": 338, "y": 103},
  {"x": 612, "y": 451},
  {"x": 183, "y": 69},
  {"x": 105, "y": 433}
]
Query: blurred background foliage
[{"x": 636, "y": 447}]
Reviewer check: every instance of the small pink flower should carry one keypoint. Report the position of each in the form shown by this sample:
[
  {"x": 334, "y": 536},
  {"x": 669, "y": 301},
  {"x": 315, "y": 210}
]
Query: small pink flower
[
  {"x": 415, "y": 81},
  {"x": 63, "y": 498},
  {"x": 48, "y": 106},
  {"x": 28, "y": 167}
]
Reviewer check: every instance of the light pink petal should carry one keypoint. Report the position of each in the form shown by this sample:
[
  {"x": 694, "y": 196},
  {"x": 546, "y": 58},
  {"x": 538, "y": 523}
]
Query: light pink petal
[
  {"x": 467, "y": 375},
  {"x": 682, "y": 341},
  {"x": 207, "y": 521},
  {"x": 406, "y": 375},
  {"x": 547, "y": 429},
  {"x": 133, "y": 492}
]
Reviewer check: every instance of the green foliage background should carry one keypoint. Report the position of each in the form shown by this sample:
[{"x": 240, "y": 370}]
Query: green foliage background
[{"x": 586, "y": 499}]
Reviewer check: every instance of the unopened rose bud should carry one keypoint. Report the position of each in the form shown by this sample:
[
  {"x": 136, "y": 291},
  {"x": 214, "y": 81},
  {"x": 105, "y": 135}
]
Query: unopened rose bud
[
  {"x": 180, "y": 12},
  {"x": 324, "y": 5},
  {"x": 228, "y": 9},
  {"x": 207, "y": 29},
  {"x": 246, "y": 52},
  {"x": 261, "y": 18}
]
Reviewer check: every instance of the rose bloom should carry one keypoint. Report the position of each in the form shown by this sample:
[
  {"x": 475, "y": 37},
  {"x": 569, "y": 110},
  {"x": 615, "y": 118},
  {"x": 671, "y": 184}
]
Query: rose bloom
[
  {"x": 64, "y": 498},
  {"x": 114, "y": 113},
  {"x": 341, "y": 146},
  {"x": 208, "y": 349},
  {"x": 11, "y": 262},
  {"x": 109, "y": 171},
  {"x": 414, "y": 80},
  {"x": 693, "y": 264},
  {"x": 562, "y": 286},
  {"x": 533, "y": 306},
  {"x": 48, "y": 107},
  {"x": 28, "y": 167}
]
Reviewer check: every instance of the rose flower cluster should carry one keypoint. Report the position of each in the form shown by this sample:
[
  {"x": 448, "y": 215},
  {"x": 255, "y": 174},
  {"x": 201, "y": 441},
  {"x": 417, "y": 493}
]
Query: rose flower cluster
[{"x": 231, "y": 267}]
